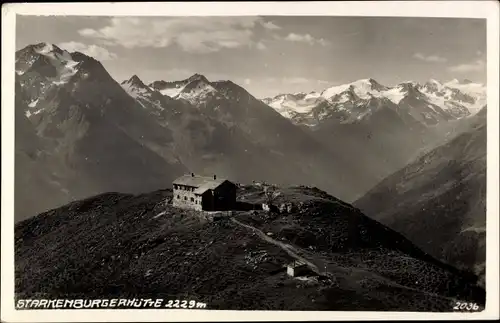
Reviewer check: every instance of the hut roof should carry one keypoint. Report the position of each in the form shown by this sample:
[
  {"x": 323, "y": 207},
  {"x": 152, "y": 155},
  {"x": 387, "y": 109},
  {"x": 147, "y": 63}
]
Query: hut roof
[
  {"x": 201, "y": 183},
  {"x": 296, "y": 263}
]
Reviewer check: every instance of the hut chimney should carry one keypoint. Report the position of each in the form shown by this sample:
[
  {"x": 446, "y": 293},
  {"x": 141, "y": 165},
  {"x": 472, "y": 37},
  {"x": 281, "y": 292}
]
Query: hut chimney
[
  {"x": 192, "y": 174},
  {"x": 215, "y": 177}
]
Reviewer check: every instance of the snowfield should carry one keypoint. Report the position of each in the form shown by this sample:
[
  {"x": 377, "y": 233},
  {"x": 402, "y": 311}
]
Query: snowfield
[{"x": 453, "y": 97}]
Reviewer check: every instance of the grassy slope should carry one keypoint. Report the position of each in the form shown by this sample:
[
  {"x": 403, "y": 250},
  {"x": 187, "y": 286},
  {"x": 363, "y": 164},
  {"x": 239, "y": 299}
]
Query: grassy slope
[
  {"x": 117, "y": 245},
  {"x": 438, "y": 201}
]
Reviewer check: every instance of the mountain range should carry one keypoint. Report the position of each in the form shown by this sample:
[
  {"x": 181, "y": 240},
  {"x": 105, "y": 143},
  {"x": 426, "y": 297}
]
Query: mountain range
[
  {"x": 98, "y": 130},
  {"x": 80, "y": 133},
  {"x": 383, "y": 128},
  {"x": 412, "y": 157},
  {"x": 427, "y": 104}
]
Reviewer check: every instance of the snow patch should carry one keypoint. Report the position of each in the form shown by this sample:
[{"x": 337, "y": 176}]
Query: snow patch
[
  {"x": 171, "y": 92},
  {"x": 394, "y": 94},
  {"x": 312, "y": 95},
  {"x": 134, "y": 91},
  {"x": 198, "y": 93},
  {"x": 68, "y": 70},
  {"x": 362, "y": 88},
  {"x": 159, "y": 214},
  {"x": 33, "y": 103},
  {"x": 46, "y": 49},
  {"x": 472, "y": 89},
  {"x": 29, "y": 113},
  {"x": 289, "y": 107}
]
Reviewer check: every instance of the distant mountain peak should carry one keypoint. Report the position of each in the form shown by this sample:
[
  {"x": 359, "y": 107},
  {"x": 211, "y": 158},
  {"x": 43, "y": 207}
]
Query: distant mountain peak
[
  {"x": 197, "y": 77},
  {"x": 135, "y": 81},
  {"x": 457, "y": 81},
  {"x": 41, "y": 49},
  {"x": 46, "y": 48},
  {"x": 434, "y": 81}
]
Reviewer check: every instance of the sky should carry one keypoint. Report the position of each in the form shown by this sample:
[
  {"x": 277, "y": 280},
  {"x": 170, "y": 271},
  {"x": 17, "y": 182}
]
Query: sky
[{"x": 269, "y": 55}]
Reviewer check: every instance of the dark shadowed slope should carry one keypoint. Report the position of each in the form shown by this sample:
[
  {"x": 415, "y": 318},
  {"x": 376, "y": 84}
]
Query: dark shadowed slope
[
  {"x": 37, "y": 184},
  {"x": 118, "y": 245},
  {"x": 438, "y": 201}
]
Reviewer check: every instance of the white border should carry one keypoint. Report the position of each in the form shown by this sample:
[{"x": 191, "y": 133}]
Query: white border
[{"x": 471, "y": 9}]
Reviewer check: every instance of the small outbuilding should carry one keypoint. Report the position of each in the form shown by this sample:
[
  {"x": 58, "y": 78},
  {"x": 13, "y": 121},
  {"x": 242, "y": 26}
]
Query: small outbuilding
[{"x": 297, "y": 268}]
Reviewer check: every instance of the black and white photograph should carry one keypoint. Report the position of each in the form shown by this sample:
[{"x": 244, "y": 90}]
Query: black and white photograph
[{"x": 260, "y": 163}]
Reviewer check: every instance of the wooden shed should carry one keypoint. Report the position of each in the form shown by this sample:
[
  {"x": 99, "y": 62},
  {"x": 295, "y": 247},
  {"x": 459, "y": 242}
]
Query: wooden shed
[{"x": 296, "y": 268}]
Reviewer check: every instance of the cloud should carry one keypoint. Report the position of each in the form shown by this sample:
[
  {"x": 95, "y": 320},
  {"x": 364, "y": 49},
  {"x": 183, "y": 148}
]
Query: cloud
[
  {"x": 261, "y": 46},
  {"x": 97, "y": 52},
  {"x": 476, "y": 66},
  {"x": 306, "y": 38},
  {"x": 270, "y": 25},
  {"x": 430, "y": 58},
  {"x": 191, "y": 34}
]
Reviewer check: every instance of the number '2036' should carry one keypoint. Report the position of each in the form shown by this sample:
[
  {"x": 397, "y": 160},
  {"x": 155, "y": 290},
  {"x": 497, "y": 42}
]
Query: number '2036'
[{"x": 466, "y": 306}]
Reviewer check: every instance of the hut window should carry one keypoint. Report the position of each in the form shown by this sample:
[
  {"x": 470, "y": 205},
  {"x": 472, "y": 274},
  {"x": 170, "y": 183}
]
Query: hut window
[
  {"x": 185, "y": 198},
  {"x": 178, "y": 197},
  {"x": 192, "y": 199}
]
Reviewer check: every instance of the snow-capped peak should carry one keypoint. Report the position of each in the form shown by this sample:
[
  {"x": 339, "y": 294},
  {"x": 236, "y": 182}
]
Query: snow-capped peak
[
  {"x": 364, "y": 88},
  {"x": 173, "y": 89},
  {"x": 435, "y": 82},
  {"x": 196, "y": 90},
  {"x": 197, "y": 77},
  {"x": 44, "y": 48},
  {"x": 312, "y": 95},
  {"x": 135, "y": 81},
  {"x": 432, "y": 99},
  {"x": 456, "y": 81},
  {"x": 135, "y": 87},
  {"x": 55, "y": 64}
]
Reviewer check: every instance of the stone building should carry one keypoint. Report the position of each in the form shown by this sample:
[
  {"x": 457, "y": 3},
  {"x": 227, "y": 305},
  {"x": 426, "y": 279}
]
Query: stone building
[{"x": 204, "y": 193}]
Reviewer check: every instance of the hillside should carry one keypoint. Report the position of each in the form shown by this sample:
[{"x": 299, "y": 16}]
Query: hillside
[
  {"x": 439, "y": 200},
  {"x": 121, "y": 245}
]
